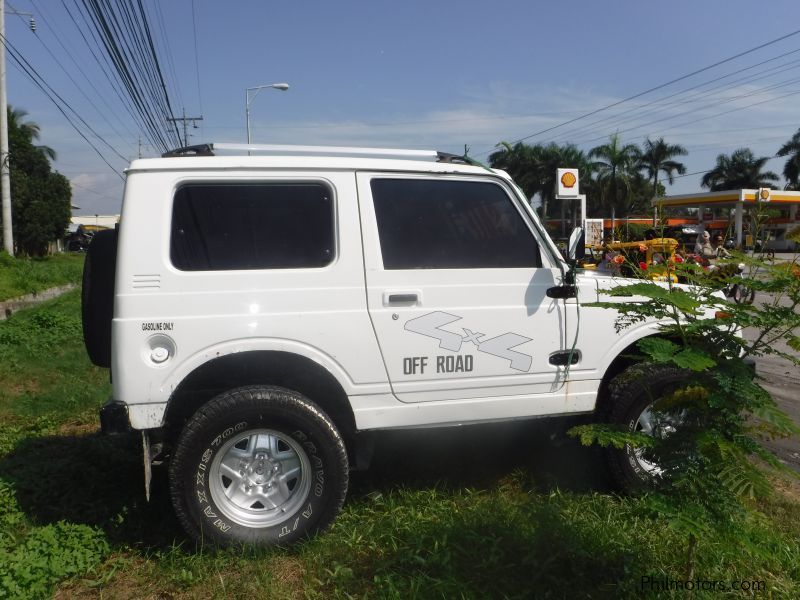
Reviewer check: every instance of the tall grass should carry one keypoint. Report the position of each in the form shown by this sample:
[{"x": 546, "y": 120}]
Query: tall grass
[{"x": 21, "y": 276}]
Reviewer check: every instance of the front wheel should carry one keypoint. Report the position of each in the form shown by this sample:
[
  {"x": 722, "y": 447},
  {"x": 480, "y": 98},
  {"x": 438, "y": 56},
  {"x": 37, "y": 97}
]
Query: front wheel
[
  {"x": 634, "y": 396},
  {"x": 258, "y": 465}
]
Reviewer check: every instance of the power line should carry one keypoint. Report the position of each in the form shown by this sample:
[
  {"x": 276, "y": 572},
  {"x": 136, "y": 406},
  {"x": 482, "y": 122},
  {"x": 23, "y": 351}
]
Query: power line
[
  {"x": 711, "y": 105},
  {"x": 19, "y": 58},
  {"x": 39, "y": 82},
  {"x": 79, "y": 88},
  {"x": 691, "y": 98},
  {"x": 124, "y": 33},
  {"x": 104, "y": 68},
  {"x": 168, "y": 51},
  {"x": 655, "y": 88},
  {"x": 196, "y": 56}
]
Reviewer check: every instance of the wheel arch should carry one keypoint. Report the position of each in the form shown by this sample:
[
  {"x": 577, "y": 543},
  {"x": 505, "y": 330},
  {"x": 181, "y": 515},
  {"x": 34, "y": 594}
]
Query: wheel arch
[
  {"x": 628, "y": 356},
  {"x": 260, "y": 367}
]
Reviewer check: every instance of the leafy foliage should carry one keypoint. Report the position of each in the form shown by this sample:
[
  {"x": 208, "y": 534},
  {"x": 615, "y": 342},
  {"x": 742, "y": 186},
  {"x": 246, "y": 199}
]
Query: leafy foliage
[
  {"x": 41, "y": 198},
  {"x": 708, "y": 462},
  {"x": 739, "y": 170}
]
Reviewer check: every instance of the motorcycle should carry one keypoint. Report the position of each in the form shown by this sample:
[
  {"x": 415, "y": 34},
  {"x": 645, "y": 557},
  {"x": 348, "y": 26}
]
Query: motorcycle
[{"x": 735, "y": 288}]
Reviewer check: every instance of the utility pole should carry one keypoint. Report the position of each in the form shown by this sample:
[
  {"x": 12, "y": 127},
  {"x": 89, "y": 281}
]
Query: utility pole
[
  {"x": 185, "y": 121},
  {"x": 5, "y": 173},
  {"x": 5, "y": 167}
]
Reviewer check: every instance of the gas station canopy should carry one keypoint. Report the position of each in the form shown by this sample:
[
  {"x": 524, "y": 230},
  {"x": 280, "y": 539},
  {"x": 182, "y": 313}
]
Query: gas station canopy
[{"x": 737, "y": 199}]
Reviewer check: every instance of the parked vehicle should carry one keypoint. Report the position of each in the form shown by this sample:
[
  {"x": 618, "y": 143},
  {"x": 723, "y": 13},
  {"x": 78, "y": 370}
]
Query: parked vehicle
[
  {"x": 655, "y": 256},
  {"x": 264, "y": 317}
]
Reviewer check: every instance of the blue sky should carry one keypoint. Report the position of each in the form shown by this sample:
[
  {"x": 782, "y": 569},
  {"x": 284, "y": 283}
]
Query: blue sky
[{"x": 428, "y": 75}]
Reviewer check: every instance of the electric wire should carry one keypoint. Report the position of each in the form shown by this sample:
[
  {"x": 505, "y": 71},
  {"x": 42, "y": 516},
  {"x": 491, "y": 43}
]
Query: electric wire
[
  {"x": 696, "y": 110},
  {"x": 729, "y": 84},
  {"x": 105, "y": 65},
  {"x": 118, "y": 48},
  {"x": 653, "y": 89},
  {"x": 19, "y": 58},
  {"x": 37, "y": 80},
  {"x": 173, "y": 79},
  {"x": 80, "y": 89},
  {"x": 197, "y": 59},
  {"x": 123, "y": 33}
]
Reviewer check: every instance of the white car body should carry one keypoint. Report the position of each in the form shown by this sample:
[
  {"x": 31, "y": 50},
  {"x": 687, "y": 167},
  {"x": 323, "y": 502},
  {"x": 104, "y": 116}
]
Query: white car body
[{"x": 408, "y": 347}]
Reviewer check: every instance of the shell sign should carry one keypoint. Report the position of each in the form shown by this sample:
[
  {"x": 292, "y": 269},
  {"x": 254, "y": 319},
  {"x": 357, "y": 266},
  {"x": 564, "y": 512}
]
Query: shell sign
[
  {"x": 764, "y": 194},
  {"x": 568, "y": 183}
]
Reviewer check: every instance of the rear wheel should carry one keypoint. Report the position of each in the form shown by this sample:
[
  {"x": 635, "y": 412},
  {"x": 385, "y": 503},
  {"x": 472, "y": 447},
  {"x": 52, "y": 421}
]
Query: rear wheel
[{"x": 258, "y": 465}]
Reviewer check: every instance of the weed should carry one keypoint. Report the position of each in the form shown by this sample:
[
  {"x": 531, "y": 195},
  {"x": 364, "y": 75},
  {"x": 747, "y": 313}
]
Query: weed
[{"x": 20, "y": 276}]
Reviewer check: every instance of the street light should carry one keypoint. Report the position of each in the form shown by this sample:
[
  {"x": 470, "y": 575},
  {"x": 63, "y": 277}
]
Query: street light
[{"x": 248, "y": 99}]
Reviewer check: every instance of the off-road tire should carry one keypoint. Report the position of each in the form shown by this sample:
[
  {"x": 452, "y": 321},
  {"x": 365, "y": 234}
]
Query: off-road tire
[
  {"x": 630, "y": 394},
  {"x": 241, "y": 422},
  {"x": 97, "y": 296}
]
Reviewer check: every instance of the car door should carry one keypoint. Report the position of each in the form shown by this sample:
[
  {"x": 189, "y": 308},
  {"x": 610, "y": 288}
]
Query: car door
[{"x": 456, "y": 288}]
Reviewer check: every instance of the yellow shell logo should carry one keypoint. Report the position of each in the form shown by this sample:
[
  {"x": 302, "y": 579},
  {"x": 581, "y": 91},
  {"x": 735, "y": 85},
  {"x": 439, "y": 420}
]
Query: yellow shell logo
[
  {"x": 568, "y": 179},
  {"x": 764, "y": 194}
]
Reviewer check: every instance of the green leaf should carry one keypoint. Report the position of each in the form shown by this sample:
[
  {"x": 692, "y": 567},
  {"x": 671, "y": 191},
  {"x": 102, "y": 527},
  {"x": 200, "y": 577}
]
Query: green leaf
[
  {"x": 696, "y": 360},
  {"x": 794, "y": 343},
  {"x": 607, "y": 436},
  {"x": 659, "y": 349}
]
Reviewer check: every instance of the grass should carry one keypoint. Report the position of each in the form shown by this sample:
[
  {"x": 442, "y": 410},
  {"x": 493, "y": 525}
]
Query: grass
[
  {"x": 21, "y": 276},
  {"x": 502, "y": 511}
]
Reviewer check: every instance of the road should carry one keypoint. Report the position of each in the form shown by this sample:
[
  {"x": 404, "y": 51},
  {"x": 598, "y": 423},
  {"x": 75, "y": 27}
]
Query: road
[{"x": 781, "y": 378}]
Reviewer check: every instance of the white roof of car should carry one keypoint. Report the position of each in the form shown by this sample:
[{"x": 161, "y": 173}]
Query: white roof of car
[{"x": 244, "y": 156}]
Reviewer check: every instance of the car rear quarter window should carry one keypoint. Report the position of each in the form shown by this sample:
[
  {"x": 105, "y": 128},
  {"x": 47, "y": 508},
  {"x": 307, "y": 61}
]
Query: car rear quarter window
[
  {"x": 450, "y": 224},
  {"x": 243, "y": 226}
]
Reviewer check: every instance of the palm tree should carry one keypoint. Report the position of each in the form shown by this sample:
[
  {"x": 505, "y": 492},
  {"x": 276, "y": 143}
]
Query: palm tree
[
  {"x": 616, "y": 167},
  {"x": 534, "y": 167},
  {"x": 29, "y": 129},
  {"x": 739, "y": 170},
  {"x": 522, "y": 162},
  {"x": 791, "y": 170},
  {"x": 657, "y": 157}
]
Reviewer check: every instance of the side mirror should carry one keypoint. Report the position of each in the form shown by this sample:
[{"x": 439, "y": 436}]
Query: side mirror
[{"x": 577, "y": 244}]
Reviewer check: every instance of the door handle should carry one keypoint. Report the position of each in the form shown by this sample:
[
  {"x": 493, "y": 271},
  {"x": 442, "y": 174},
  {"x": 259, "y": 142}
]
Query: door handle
[{"x": 401, "y": 299}]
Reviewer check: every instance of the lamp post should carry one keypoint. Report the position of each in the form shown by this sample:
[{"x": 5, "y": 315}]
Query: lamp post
[{"x": 248, "y": 99}]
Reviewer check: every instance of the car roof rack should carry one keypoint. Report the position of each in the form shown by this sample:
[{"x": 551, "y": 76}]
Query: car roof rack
[
  {"x": 212, "y": 149},
  {"x": 198, "y": 150}
]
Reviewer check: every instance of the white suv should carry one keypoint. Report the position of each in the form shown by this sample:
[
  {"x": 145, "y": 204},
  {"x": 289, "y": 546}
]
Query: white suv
[{"x": 260, "y": 313}]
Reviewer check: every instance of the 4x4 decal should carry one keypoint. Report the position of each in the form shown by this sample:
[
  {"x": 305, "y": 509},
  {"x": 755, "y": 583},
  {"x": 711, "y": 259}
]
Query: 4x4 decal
[{"x": 430, "y": 325}]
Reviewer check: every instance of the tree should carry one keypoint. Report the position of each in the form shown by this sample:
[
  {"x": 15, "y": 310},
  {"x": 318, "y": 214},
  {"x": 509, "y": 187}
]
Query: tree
[
  {"x": 41, "y": 198},
  {"x": 534, "y": 167},
  {"x": 739, "y": 170},
  {"x": 522, "y": 162},
  {"x": 657, "y": 157},
  {"x": 616, "y": 169},
  {"x": 791, "y": 170},
  {"x": 704, "y": 430},
  {"x": 29, "y": 130}
]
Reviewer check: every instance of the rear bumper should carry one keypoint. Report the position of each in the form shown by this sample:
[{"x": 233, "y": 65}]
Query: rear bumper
[{"x": 114, "y": 418}]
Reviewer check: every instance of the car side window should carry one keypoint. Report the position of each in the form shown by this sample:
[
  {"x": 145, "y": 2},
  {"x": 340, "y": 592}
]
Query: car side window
[
  {"x": 450, "y": 224},
  {"x": 237, "y": 226}
]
